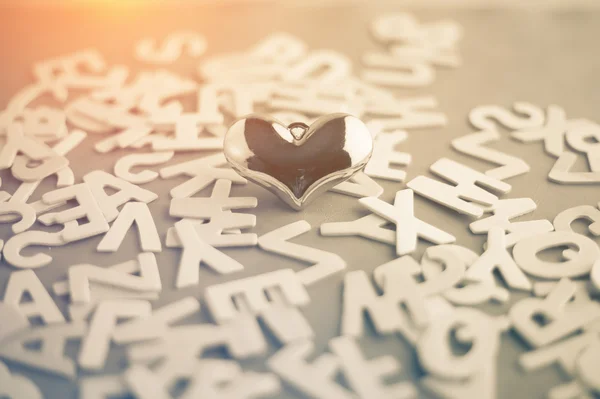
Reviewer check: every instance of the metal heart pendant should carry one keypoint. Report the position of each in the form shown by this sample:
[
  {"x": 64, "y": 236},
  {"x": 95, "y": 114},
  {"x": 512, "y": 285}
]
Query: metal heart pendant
[{"x": 298, "y": 162}]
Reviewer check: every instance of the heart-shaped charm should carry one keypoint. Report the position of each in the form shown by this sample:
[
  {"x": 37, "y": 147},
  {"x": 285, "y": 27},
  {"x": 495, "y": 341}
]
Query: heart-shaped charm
[{"x": 298, "y": 162}]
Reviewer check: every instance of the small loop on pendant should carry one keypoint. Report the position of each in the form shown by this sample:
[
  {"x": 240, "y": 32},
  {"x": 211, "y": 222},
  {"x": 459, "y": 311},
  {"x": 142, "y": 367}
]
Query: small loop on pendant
[{"x": 298, "y": 125}]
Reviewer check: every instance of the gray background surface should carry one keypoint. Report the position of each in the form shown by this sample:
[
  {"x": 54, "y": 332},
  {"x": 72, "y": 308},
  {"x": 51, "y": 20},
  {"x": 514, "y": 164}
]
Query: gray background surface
[{"x": 540, "y": 57}]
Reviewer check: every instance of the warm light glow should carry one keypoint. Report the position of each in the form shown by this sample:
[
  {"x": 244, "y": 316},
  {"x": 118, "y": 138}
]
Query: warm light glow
[{"x": 124, "y": 2}]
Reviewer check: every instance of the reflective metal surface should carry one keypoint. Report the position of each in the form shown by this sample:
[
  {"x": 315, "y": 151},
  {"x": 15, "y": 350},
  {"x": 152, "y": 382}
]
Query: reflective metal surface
[{"x": 298, "y": 162}]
